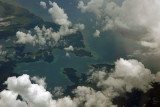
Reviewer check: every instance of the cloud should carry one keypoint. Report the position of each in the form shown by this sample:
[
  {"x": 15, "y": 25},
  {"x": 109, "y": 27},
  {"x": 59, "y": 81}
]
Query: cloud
[
  {"x": 58, "y": 91},
  {"x": 39, "y": 38},
  {"x": 70, "y": 48},
  {"x": 43, "y": 36},
  {"x": 24, "y": 38},
  {"x": 92, "y": 6},
  {"x": 34, "y": 95},
  {"x": 2, "y": 52},
  {"x": 128, "y": 75},
  {"x": 157, "y": 79},
  {"x": 47, "y": 36},
  {"x": 58, "y": 15},
  {"x": 131, "y": 18},
  {"x": 149, "y": 44},
  {"x": 92, "y": 98},
  {"x": 43, "y": 4},
  {"x": 97, "y": 33},
  {"x": 39, "y": 81},
  {"x": 61, "y": 18},
  {"x": 2, "y": 19},
  {"x": 131, "y": 74},
  {"x": 67, "y": 54},
  {"x": 9, "y": 99}
]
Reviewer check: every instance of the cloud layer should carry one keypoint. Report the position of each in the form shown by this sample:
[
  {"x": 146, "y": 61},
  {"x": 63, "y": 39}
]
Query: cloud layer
[
  {"x": 138, "y": 19},
  {"x": 58, "y": 15},
  {"x": 43, "y": 36},
  {"x": 47, "y": 36},
  {"x": 43, "y": 4},
  {"x": 34, "y": 95},
  {"x": 97, "y": 33},
  {"x": 128, "y": 75},
  {"x": 2, "y": 52},
  {"x": 70, "y": 48}
]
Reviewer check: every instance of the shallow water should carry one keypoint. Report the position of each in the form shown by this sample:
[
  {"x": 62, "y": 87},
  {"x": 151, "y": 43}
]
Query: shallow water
[
  {"x": 53, "y": 71},
  {"x": 106, "y": 49}
]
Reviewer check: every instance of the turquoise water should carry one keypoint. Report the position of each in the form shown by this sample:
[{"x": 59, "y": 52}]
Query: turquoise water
[
  {"x": 106, "y": 49},
  {"x": 53, "y": 71}
]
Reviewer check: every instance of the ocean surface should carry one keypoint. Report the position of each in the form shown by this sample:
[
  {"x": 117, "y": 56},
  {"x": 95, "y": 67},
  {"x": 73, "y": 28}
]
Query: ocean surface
[{"x": 106, "y": 49}]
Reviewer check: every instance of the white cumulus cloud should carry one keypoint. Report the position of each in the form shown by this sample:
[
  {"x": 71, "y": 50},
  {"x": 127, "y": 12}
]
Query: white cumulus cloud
[
  {"x": 47, "y": 36},
  {"x": 34, "y": 95},
  {"x": 39, "y": 81},
  {"x": 139, "y": 19},
  {"x": 9, "y": 99},
  {"x": 96, "y": 33},
  {"x": 43, "y": 4},
  {"x": 58, "y": 14},
  {"x": 128, "y": 74},
  {"x": 70, "y": 48}
]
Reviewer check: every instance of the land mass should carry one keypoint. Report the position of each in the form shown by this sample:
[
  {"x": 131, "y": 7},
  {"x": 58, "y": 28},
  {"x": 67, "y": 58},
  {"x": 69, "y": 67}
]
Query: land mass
[{"x": 13, "y": 19}]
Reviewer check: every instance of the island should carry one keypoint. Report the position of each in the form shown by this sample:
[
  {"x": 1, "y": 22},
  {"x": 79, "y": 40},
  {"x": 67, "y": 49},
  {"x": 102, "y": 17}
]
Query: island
[{"x": 13, "y": 19}]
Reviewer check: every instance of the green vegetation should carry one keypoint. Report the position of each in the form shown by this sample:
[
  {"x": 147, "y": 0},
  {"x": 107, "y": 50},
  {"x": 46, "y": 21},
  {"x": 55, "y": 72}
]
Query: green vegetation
[
  {"x": 71, "y": 74},
  {"x": 80, "y": 80},
  {"x": 20, "y": 56},
  {"x": 6, "y": 69},
  {"x": 82, "y": 53},
  {"x": 108, "y": 67},
  {"x": 77, "y": 41},
  {"x": 138, "y": 98},
  {"x": 22, "y": 19},
  {"x": 19, "y": 18}
]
